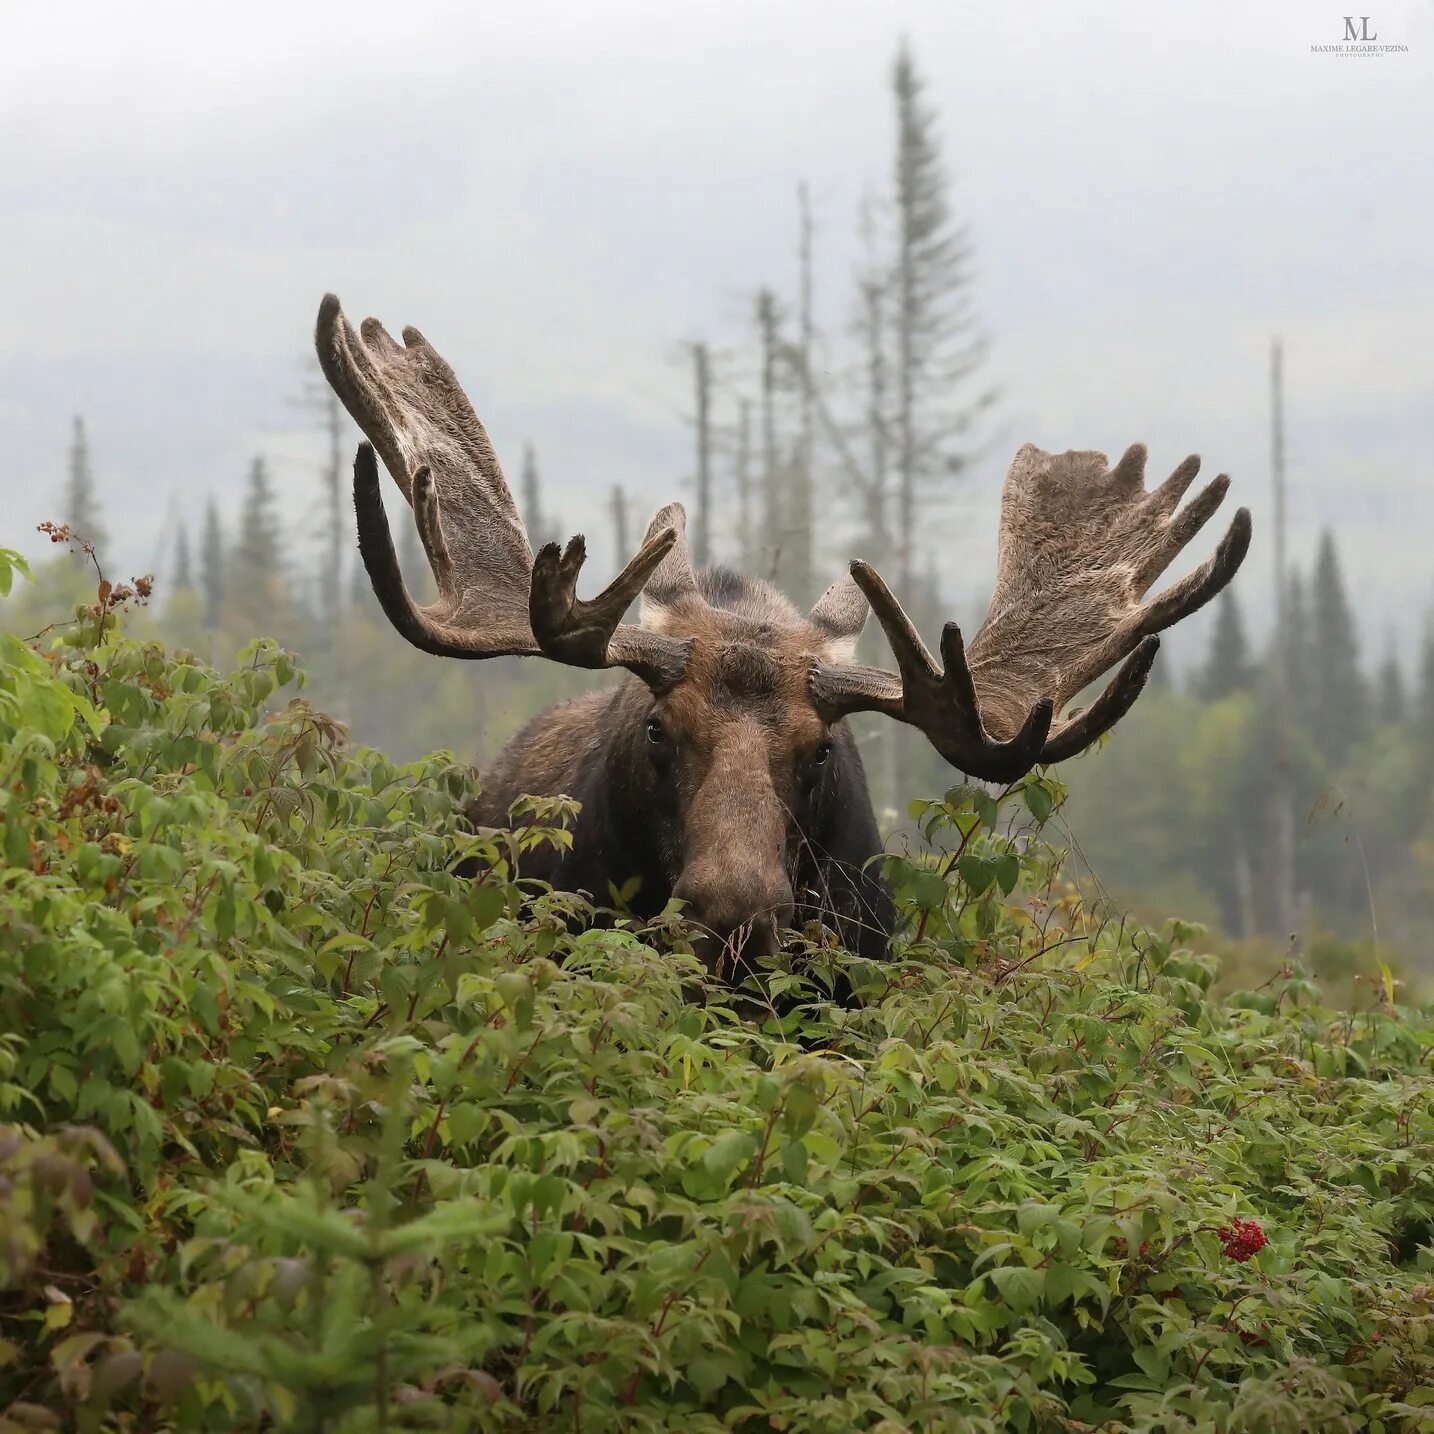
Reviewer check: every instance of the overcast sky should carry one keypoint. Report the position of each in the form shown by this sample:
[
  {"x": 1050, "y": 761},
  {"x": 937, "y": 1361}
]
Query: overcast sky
[{"x": 561, "y": 194}]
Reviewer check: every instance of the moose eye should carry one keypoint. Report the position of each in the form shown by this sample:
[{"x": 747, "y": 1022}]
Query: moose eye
[
  {"x": 820, "y": 756},
  {"x": 655, "y": 734}
]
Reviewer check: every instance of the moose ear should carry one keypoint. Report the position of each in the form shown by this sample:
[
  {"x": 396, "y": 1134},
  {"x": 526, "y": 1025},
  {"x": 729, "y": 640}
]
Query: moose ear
[
  {"x": 673, "y": 579},
  {"x": 840, "y": 614}
]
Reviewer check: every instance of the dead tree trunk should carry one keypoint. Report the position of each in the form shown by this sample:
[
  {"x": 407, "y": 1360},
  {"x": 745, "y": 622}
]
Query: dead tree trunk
[
  {"x": 773, "y": 515},
  {"x": 618, "y": 508},
  {"x": 1286, "y": 916},
  {"x": 701, "y": 529},
  {"x": 800, "y": 570},
  {"x": 743, "y": 477}
]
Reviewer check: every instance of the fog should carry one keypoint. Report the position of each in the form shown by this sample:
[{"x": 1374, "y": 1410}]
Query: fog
[{"x": 561, "y": 194}]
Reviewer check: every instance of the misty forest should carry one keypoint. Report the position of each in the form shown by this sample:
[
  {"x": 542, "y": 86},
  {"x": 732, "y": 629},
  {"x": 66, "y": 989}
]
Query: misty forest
[
  {"x": 305, "y": 1126},
  {"x": 1331, "y": 744}
]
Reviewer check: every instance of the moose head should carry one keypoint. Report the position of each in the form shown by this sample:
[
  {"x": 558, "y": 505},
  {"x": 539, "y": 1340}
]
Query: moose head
[{"x": 723, "y": 772}]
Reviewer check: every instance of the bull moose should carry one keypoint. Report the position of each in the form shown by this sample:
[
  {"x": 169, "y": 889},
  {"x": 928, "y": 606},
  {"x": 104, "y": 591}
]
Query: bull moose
[{"x": 721, "y": 771}]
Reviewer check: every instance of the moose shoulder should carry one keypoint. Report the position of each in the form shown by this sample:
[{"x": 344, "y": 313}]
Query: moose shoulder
[{"x": 721, "y": 771}]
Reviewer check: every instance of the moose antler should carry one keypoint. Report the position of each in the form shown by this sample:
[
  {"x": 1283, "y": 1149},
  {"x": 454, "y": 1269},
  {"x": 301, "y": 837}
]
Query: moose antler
[
  {"x": 494, "y": 598},
  {"x": 1080, "y": 546}
]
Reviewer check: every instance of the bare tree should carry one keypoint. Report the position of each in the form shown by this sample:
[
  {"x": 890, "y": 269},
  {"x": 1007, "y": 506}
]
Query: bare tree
[
  {"x": 1283, "y": 894},
  {"x": 742, "y": 480},
  {"x": 618, "y": 507},
  {"x": 317, "y": 398},
  {"x": 769, "y": 336},
  {"x": 702, "y": 425},
  {"x": 872, "y": 332},
  {"x": 800, "y": 567}
]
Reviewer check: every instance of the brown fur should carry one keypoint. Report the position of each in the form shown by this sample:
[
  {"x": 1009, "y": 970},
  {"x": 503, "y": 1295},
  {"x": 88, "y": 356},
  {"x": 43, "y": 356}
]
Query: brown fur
[{"x": 733, "y": 811}]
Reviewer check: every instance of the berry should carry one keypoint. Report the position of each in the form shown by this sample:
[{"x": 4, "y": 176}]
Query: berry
[{"x": 1241, "y": 1240}]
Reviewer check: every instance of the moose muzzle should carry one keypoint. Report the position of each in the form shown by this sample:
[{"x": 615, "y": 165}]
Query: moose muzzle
[{"x": 734, "y": 879}]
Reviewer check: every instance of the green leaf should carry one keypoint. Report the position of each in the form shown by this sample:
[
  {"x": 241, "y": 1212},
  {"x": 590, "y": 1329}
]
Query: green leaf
[
  {"x": 1038, "y": 801},
  {"x": 1019, "y": 1287},
  {"x": 727, "y": 1152}
]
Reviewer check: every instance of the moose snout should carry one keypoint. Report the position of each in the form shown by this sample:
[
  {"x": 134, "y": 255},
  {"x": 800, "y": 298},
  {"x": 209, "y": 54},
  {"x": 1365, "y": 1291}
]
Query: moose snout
[{"x": 753, "y": 906}]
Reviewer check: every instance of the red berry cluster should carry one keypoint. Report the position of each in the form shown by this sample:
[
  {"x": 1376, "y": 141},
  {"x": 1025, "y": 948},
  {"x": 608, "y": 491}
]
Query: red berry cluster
[{"x": 1241, "y": 1239}]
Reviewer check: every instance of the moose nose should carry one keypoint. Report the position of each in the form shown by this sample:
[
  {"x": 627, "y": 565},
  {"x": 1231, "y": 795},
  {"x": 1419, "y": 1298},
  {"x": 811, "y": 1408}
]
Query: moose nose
[{"x": 755, "y": 904}]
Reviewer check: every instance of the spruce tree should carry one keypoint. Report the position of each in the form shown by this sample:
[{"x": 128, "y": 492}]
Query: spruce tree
[
  {"x": 1424, "y": 696},
  {"x": 211, "y": 558},
  {"x": 1339, "y": 712},
  {"x": 256, "y": 557},
  {"x": 1393, "y": 700},
  {"x": 82, "y": 508},
  {"x": 257, "y": 596},
  {"x": 937, "y": 347},
  {"x": 1227, "y": 669},
  {"x": 183, "y": 580},
  {"x": 1299, "y": 655}
]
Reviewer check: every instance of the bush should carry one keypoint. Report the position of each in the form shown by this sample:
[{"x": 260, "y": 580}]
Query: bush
[{"x": 305, "y": 1132}]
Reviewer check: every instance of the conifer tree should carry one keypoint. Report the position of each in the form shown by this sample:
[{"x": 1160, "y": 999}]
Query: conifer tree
[
  {"x": 1393, "y": 700},
  {"x": 82, "y": 508},
  {"x": 183, "y": 580},
  {"x": 1299, "y": 654},
  {"x": 937, "y": 346},
  {"x": 255, "y": 594},
  {"x": 256, "y": 554},
  {"x": 1227, "y": 669},
  {"x": 211, "y": 558},
  {"x": 1339, "y": 712},
  {"x": 1424, "y": 696}
]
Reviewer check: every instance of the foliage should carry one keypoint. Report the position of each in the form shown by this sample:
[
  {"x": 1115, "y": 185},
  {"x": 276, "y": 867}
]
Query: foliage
[{"x": 303, "y": 1131}]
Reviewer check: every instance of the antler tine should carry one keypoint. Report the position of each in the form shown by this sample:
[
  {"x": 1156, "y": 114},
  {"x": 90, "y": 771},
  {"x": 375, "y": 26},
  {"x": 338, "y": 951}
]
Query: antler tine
[
  {"x": 1172, "y": 490},
  {"x": 379, "y": 558},
  {"x": 1195, "y": 589},
  {"x": 493, "y": 599},
  {"x": 1074, "y": 736},
  {"x": 943, "y": 703},
  {"x": 589, "y": 634},
  {"x": 430, "y": 527},
  {"x": 1081, "y": 543}
]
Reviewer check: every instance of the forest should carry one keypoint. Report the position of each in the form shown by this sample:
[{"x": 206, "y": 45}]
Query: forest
[
  {"x": 318, "y": 1115},
  {"x": 1278, "y": 791}
]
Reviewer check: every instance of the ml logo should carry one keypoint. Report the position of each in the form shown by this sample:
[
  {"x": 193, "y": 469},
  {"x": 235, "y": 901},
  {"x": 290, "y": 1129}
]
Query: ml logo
[{"x": 1359, "y": 42}]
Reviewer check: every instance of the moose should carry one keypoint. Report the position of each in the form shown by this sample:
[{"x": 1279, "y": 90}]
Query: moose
[{"x": 721, "y": 771}]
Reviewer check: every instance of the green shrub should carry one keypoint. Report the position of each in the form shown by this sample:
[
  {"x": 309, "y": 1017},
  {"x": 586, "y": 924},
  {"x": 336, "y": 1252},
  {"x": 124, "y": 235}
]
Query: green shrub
[{"x": 298, "y": 1130}]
